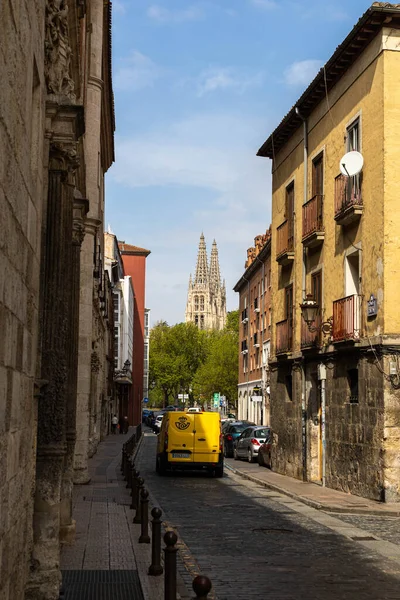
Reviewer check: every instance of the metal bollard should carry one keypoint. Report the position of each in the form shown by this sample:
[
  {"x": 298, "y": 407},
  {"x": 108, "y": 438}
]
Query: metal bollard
[
  {"x": 135, "y": 476},
  {"x": 155, "y": 567},
  {"x": 144, "y": 514},
  {"x": 123, "y": 459},
  {"x": 126, "y": 467},
  {"x": 139, "y": 486},
  {"x": 201, "y": 586},
  {"x": 129, "y": 472},
  {"x": 170, "y": 539}
]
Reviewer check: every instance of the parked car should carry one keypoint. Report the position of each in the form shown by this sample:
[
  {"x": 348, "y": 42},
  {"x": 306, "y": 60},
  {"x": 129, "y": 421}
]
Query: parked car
[
  {"x": 231, "y": 432},
  {"x": 195, "y": 409},
  {"x": 157, "y": 423},
  {"x": 264, "y": 453},
  {"x": 145, "y": 414},
  {"x": 249, "y": 442}
]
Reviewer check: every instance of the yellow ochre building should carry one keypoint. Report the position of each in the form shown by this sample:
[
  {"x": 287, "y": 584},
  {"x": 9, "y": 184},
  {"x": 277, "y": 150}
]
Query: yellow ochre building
[{"x": 335, "y": 379}]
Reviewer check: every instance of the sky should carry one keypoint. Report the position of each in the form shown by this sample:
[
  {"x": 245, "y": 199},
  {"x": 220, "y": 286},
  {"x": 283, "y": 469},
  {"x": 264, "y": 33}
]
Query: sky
[{"x": 199, "y": 86}]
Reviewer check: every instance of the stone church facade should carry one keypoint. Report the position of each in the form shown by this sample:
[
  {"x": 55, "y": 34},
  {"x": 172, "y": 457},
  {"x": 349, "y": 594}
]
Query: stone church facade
[
  {"x": 206, "y": 300},
  {"x": 56, "y": 143}
]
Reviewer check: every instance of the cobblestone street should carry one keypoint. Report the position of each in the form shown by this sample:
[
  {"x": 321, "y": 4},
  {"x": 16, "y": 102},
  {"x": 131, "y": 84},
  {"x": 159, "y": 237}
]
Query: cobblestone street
[{"x": 254, "y": 542}]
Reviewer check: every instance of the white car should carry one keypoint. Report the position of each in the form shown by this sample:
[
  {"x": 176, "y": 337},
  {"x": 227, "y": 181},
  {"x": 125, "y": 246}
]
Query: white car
[
  {"x": 194, "y": 409},
  {"x": 157, "y": 423}
]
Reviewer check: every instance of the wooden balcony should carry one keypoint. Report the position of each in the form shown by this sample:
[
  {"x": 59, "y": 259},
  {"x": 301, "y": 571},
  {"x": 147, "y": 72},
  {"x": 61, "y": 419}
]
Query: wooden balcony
[
  {"x": 313, "y": 226},
  {"x": 311, "y": 339},
  {"x": 285, "y": 243},
  {"x": 348, "y": 199},
  {"x": 284, "y": 337},
  {"x": 347, "y": 319}
]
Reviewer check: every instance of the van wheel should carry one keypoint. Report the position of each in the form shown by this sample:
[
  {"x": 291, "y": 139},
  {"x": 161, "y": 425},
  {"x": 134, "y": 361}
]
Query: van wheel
[{"x": 219, "y": 472}]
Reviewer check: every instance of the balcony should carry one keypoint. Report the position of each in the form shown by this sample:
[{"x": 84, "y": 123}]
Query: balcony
[
  {"x": 348, "y": 200},
  {"x": 245, "y": 317},
  {"x": 311, "y": 339},
  {"x": 285, "y": 243},
  {"x": 256, "y": 342},
  {"x": 284, "y": 337},
  {"x": 244, "y": 349},
  {"x": 347, "y": 319},
  {"x": 313, "y": 227}
]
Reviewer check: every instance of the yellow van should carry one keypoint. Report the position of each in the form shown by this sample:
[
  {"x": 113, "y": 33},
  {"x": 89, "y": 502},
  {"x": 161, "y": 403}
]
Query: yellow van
[{"x": 190, "y": 441}]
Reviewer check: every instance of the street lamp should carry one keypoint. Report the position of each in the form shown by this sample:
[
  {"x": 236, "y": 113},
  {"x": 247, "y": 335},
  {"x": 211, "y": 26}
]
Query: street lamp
[
  {"x": 127, "y": 366},
  {"x": 309, "y": 312}
]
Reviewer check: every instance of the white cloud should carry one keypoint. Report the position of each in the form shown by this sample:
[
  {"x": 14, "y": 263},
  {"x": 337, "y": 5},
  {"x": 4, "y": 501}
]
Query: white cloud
[
  {"x": 136, "y": 72},
  {"x": 301, "y": 73},
  {"x": 264, "y": 4},
  {"x": 214, "y": 153},
  {"x": 165, "y": 15},
  {"x": 214, "y": 79}
]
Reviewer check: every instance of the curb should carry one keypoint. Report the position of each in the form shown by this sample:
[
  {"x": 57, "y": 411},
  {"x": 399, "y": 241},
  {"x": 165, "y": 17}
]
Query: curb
[{"x": 313, "y": 503}]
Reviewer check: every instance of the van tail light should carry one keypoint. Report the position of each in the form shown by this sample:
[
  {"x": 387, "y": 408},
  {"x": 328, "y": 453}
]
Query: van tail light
[
  {"x": 229, "y": 438},
  {"x": 221, "y": 440},
  {"x": 166, "y": 441},
  {"x": 255, "y": 442}
]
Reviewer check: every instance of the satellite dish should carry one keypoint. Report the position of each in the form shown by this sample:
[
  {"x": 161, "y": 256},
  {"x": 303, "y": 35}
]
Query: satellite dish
[{"x": 351, "y": 163}]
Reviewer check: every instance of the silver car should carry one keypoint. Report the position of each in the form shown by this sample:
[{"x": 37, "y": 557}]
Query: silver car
[{"x": 249, "y": 442}]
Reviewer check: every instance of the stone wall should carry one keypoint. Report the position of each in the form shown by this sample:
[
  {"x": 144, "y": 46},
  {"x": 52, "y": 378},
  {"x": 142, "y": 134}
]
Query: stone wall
[
  {"x": 354, "y": 429},
  {"x": 285, "y": 407},
  {"x": 21, "y": 179}
]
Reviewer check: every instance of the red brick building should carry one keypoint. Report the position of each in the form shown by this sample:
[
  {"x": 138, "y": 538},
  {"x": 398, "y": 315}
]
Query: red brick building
[{"x": 134, "y": 261}]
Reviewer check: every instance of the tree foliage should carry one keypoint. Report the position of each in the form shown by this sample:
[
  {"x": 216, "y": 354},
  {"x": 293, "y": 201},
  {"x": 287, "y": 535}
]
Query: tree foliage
[{"x": 184, "y": 359}]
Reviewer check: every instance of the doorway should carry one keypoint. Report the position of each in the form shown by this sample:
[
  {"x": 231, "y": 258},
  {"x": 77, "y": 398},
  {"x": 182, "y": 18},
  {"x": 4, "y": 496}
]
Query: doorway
[{"x": 314, "y": 414}]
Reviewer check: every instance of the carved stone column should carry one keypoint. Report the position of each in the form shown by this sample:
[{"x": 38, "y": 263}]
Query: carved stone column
[
  {"x": 81, "y": 473},
  {"x": 55, "y": 345},
  {"x": 67, "y": 524}
]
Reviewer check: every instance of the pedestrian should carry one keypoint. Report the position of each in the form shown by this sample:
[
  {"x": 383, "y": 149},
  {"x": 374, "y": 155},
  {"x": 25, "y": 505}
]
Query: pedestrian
[
  {"x": 121, "y": 425},
  {"x": 114, "y": 423},
  {"x": 126, "y": 424}
]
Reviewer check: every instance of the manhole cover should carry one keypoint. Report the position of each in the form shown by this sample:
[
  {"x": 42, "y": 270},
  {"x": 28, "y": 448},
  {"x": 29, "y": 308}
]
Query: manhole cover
[
  {"x": 273, "y": 530},
  {"x": 101, "y": 585}
]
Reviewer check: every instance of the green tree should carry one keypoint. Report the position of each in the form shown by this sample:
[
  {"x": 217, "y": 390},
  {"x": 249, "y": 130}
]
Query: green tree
[{"x": 232, "y": 321}]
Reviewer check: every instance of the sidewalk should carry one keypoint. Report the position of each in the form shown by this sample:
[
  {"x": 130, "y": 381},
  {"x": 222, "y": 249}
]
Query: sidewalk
[
  {"x": 314, "y": 495},
  {"x": 106, "y": 561}
]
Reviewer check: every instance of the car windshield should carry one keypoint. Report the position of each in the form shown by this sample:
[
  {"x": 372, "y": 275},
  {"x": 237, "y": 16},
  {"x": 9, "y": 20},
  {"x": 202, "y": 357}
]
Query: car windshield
[
  {"x": 238, "y": 428},
  {"x": 262, "y": 433}
]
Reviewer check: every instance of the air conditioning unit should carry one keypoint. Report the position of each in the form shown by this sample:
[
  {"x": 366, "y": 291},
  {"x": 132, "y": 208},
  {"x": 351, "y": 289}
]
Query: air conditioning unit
[
  {"x": 256, "y": 345},
  {"x": 245, "y": 320},
  {"x": 257, "y": 310},
  {"x": 245, "y": 351}
]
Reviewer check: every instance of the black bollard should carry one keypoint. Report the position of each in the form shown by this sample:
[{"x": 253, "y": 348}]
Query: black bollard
[
  {"x": 201, "y": 586},
  {"x": 126, "y": 467},
  {"x": 123, "y": 459},
  {"x": 170, "y": 551},
  {"x": 139, "y": 486},
  {"x": 155, "y": 567},
  {"x": 129, "y": 471},
  {"x": 135, "y": 476},
  {"x": 144, "y": 514}
]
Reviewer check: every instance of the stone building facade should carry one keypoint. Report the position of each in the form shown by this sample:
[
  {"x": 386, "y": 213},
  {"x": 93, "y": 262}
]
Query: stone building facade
[
  {"x": 254, "y": 289},
  {"x": 206, "y": 299},
  {"x": 50, "y": 142},
  {"x": 335, "y": 381}
]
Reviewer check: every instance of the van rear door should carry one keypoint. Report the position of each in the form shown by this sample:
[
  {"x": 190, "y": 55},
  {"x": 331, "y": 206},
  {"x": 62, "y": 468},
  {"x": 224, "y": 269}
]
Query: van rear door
[
  {"x": 180, "y": 437},
  {"x": 207, "y": 437}
]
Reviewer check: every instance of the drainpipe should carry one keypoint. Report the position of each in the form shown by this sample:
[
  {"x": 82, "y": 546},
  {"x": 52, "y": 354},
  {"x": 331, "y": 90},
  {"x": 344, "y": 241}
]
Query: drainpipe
[
  {"x": 248, "y": 345},
  {"x": 304, "y": 293},
  {"x": 262, "y": 341}
]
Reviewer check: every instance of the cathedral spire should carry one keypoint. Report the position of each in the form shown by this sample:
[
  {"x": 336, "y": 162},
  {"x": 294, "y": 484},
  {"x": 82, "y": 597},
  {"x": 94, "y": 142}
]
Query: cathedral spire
[
  {"x": 202, "y": 263},
  {"x": 215, "y": 276}
]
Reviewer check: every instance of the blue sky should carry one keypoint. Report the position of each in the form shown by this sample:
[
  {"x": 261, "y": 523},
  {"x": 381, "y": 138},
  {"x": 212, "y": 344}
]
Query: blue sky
[{"x": 198, "y": 88}]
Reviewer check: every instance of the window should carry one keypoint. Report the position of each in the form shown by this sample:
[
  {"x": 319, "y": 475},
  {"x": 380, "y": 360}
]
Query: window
[
  {"x": 352, "y": 378},
  {"x": 289, "y": 212},
  {"x": 196, "y": 320},
  {"x": 318, "y": 175},
  {"x": 202, "y": 322},
  {"x": 353, "y": 136},
  {"x": 316, "y": 288},
  {"x": 116, "y": 307},
  {"x": 201, "y": 303},
  {"x": 196, "y": 303},
  {"x": 289, "y": 312}
]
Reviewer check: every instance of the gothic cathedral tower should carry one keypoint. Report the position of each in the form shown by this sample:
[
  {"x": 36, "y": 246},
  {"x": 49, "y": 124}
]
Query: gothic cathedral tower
[{"x": 206, "y": 301}]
